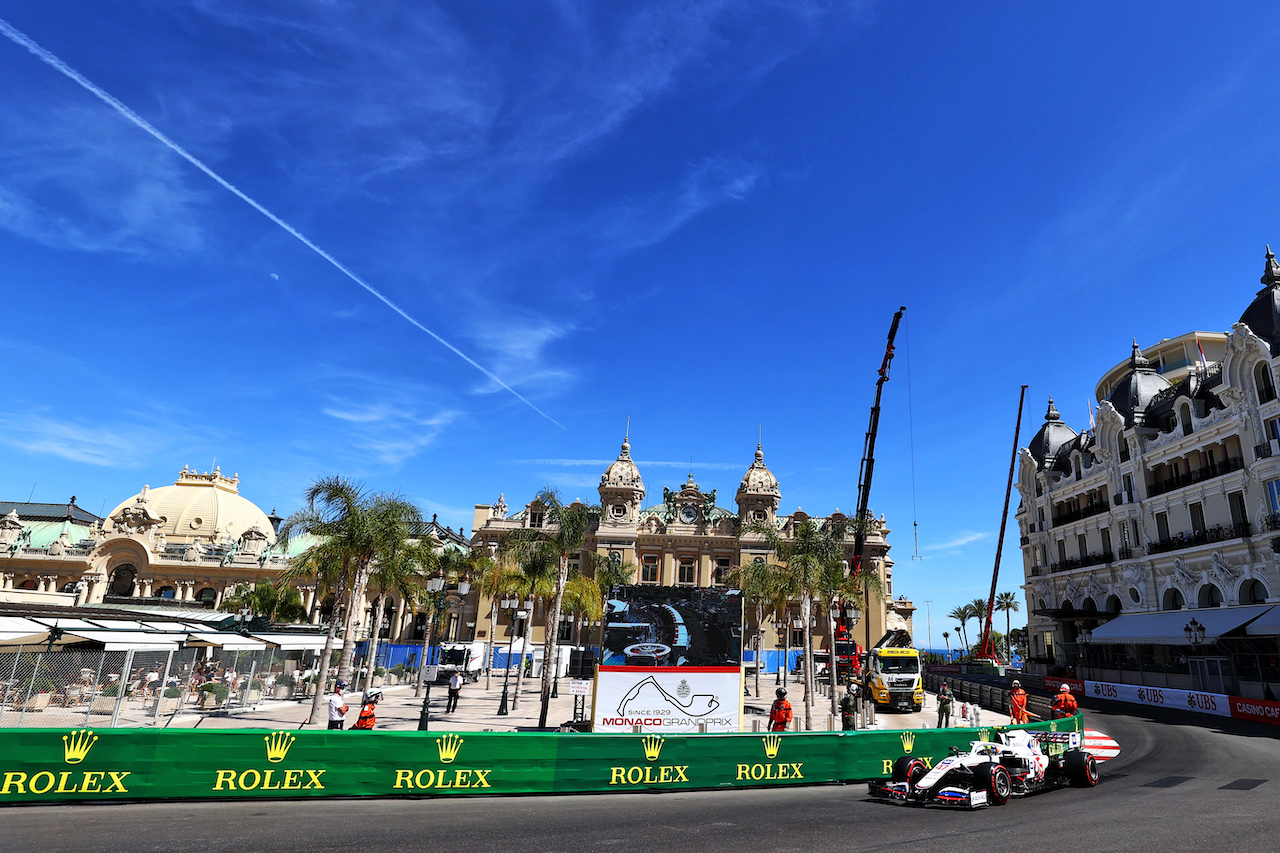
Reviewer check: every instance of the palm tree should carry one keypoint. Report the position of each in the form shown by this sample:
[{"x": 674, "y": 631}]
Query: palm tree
[
  {"x": 978, "y": 610},
  {"x": 1007, "y": 602},
  {"x": 402, "y": 569},
  {"x": 962, "y": 614},
  {"x": 946, "y": 638},
  {"x": 561, "y": 539},
  {"x": 756, "y": 580},
  {"x": 533, "y": 580},
  {"x": 609, "y": 574},
  {"x": 811, "y": 558},
  {"x": 493, "y": 581},
  {"x": 350, "y": 527},
  {"x": 274, "y": 601}
]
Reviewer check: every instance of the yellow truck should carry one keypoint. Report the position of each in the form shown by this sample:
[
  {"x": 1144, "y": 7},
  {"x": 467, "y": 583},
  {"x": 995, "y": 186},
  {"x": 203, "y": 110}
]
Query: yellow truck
[{"x": 891, "y": 677}]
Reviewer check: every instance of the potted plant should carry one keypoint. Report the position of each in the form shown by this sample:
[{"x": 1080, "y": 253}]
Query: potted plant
[
  {"x": 397, "y": 673},
  {"x": 105, "y": 701},
  {"x": 167, "y": 702},
  {"x": 378, "y": 676},
  {"x": 283, "y": 687},
  {"x": 213, "y": 694},
  {"x": 254, "y": 693}
]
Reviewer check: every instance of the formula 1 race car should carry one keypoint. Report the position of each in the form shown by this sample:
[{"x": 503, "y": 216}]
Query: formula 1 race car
[{"x": 1015, "y": 764}]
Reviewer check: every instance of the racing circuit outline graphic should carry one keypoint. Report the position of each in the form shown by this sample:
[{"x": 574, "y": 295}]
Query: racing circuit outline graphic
[{"x": 708, "y": 699}]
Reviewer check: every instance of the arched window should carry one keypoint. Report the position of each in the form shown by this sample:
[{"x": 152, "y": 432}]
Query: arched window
[
  {"x": 165, "y": 592},
  {"x": 1173, "y": 600},
  {"x": 208, "y": 595},
  {"x": 1184, "y": 414},
  {"x": 1075, "y": 465},
  {"x": 1043, "y": 606},
  {"x": 1134, "y": 595},
  {"x": 122, "y": 579},
  {"x": 1113, "y": 604},
  {"x": 1090, "y": 605},
  {"x": 1265, "y": 384},
  {"x": 1210, "y": 596},
  {"x": 28, "y": 584},
  {"x": 1253, "y": 591}
]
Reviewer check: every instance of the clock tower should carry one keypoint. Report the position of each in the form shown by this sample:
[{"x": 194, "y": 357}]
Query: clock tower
[
  {"x": 758, "y": 494},
  {"x": 621, "y": 491}
]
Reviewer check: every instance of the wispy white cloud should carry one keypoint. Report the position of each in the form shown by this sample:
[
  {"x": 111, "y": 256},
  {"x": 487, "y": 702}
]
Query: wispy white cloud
[
  {"x": 964, "y": 537},
  {"x": 122, "y": 442}
]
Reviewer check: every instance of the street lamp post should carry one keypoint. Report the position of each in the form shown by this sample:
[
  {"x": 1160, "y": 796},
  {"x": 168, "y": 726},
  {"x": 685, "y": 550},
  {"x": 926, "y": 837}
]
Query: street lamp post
[
  {"x": 1194, "y": 631},
  {"x": 510, "y": 603},
  {"x": 565, "y": 619}
]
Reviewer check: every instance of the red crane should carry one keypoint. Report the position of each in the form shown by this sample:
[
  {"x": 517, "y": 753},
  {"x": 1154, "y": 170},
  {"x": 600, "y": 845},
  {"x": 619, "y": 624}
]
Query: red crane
[{"x": 987, "y": 647}]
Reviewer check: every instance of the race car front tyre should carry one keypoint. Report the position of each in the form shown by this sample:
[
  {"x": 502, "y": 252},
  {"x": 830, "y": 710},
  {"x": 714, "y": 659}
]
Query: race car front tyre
[
  {"x": 995, "y": 780},
  {"x": 909, "y": 770},
  {"x": 1081, "y": 768}
]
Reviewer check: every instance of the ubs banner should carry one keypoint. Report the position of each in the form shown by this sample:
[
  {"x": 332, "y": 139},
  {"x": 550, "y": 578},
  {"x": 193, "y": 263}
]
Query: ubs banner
[
  {"x": 60, "y": 765},
  {"x": 668, "y": 699}
]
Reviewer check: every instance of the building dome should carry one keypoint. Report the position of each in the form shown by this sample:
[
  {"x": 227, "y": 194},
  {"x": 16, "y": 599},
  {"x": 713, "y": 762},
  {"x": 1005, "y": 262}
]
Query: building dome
[
  {"x": 1052, "y": 437},
  {"x": 759, "y": 480},
  {"x": 622, "y": 473},
  {"x": 1263, "y": 314},
  {"x": 205, "y": 507},
  {"x": 1133, "y": 393}
]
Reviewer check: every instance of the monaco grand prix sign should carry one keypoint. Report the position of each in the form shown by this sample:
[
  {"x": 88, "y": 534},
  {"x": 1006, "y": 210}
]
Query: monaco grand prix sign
[{"x": 668, "y": 700}]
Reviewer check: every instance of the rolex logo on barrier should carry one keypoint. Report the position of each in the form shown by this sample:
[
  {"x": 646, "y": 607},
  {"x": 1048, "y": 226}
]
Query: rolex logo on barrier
[
  {"x": 651, "y": 774},
  {"x": 272, "y": 778},
  {"x": 278, "y": 744},
  {"x": 984, "y": 734},
  {"x": 652, "y": 747},
  {"x": 908, "y": 742},
  {"x": 1053, "y": 725},
  {"x": 76, "y": 745},
  {"x": 75, "y": 748},
  {"x": 774, "y": 770},
  {"x": 448, "y": 747},
  {"x": 439, "y": 779}
]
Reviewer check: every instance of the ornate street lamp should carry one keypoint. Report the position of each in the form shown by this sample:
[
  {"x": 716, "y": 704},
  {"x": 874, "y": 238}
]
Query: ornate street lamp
[
  {"x": 510, "y": 603},
  {"x": 1194, "y": 631}
]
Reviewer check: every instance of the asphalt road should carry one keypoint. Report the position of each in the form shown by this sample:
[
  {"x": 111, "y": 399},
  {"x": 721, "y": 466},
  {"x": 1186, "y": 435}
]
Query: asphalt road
[{"x": 1177, "y": 785}]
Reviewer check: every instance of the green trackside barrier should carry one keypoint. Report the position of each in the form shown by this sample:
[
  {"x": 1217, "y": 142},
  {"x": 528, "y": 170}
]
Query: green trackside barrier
[{"x": 61, "y": 765}]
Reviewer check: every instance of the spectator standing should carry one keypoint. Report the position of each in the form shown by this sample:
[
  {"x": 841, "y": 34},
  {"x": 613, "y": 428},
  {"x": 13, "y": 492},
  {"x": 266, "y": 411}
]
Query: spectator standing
[
  {"x": 780, "y": 714},
  {"x": 368, "y": 719},
  {"x": 455, "y": 688},
  {"x": 1017, "y": 704},
  {"x": 337, "y": 706},
  {"x": 944, "y": 707},
  {"x": 1064, "y": 704}
]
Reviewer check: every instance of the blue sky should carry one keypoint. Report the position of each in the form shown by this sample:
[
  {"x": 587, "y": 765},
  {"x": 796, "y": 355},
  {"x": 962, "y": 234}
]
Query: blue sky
[{"x": 699, "y": 215}]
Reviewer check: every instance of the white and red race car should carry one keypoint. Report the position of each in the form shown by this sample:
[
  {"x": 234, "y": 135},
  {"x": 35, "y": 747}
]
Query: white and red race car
[{"x": 1015, "y": 764}]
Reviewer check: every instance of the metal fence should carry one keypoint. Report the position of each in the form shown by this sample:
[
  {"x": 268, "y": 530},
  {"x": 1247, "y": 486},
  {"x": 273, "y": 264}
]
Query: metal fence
[{"x": 74, "y": 688}]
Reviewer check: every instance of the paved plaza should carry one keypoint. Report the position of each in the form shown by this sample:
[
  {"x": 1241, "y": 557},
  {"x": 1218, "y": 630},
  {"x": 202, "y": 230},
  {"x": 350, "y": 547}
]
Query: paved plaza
[{"x": 477, "y": 711}]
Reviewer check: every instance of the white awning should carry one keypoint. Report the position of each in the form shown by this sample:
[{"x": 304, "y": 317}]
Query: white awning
[
  {"x": 231, "y": 642},
  {"x": 118, "y": 641},
  {"x": 1167, "y": 627},
  {"x": 1266, "y": 625},
  {"x": 16, "y": 631},
  {"x": 295, "y": 642}
]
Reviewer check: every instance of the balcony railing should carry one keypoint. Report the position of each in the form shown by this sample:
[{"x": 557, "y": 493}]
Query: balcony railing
[
  {"x": 1125, "y": 553},
  {"x": 1271, "y": 522},
  {"x": 1084, "y": 512},
  {"x": 1084, "y": 562},
  {"x": 1220, "y": 533},
  {"x": 1208, "y": 472},
  {"x": 1262, "y": 451},
  {"x": 1025, "y": 540}
]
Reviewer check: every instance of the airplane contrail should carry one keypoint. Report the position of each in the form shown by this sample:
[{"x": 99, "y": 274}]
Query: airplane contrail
[{"x": 57, "y": 64}]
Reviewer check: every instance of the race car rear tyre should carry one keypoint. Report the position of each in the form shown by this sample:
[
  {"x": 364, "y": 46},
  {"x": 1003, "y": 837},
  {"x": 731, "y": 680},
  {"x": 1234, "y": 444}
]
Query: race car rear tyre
[
  {"x": 1081, "y": 768},
  {"x": 995, "y": 780}
]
